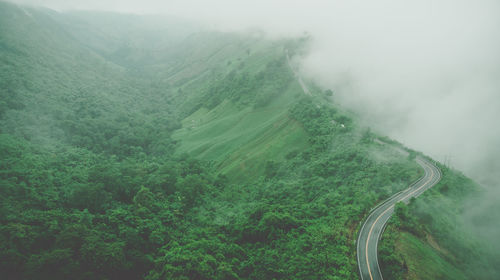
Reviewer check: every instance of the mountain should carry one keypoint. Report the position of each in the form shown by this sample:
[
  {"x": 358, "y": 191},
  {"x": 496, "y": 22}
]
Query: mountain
[{"x": 141, "y": 147}]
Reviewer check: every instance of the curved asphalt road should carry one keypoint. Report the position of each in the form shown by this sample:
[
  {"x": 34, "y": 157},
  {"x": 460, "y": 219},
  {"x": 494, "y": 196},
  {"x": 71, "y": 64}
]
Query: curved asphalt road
[{"x": 372, "y": 229}]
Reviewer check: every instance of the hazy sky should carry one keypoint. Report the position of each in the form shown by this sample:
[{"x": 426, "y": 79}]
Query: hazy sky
[{"x": 425, "y": 72}]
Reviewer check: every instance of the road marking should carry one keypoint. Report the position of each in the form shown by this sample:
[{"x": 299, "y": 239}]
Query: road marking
[
  {"x": 368, "y": 240},
  {"x": 430, "y": 179},
  {"x": 392, "y": 206}
]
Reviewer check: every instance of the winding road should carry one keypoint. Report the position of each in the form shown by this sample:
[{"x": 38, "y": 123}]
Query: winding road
[
  {"x": 372, "y": 229},
  {"x": 374, "y": 226}
]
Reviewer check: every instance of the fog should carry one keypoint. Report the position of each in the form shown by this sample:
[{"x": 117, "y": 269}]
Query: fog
[{"x": 426, "y": 72}]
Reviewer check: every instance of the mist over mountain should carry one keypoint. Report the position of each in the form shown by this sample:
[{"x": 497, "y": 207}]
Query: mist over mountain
[
  {"x": 138, "y": 145},
  {"x": 417, "y": 71},
  {"x": 413, "y": 69}
]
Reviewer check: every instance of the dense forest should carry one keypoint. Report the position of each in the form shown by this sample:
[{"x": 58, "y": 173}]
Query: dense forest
[{"x": 148, "y": 148}]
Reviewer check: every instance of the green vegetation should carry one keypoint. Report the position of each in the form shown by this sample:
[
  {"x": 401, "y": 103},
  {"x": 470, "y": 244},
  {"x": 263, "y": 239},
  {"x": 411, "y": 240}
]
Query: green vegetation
[
  {"x": 428, "y": 239},
  {"x": 422, "y": 261},
  {"x": 131, "y": 152},
  {"x": 241, "y": 137}
]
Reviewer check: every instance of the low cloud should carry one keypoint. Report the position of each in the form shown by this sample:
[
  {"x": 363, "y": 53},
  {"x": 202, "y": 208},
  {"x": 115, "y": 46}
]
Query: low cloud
[{"x": 427, "y": 74}]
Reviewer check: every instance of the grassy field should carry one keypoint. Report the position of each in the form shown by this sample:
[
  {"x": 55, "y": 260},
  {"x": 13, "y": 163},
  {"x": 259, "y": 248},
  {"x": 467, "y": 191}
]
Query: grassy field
[
  {"x": 241, "y": 139},
  {"x": 424, "y": 261}
]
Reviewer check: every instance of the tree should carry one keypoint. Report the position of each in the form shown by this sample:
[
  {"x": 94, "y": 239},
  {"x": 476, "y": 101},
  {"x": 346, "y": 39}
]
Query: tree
[{"x": 144, "y": 198}]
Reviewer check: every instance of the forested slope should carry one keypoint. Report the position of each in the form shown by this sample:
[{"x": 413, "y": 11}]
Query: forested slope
[{"x": 135, "y": 147}]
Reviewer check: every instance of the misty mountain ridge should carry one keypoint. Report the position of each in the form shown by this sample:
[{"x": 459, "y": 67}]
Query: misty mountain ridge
[{"x": 148, "y": 147}]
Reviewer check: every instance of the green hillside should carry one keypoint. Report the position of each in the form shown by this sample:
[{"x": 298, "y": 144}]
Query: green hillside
[
  {"x": 242, "y": 139},
  {"x": 143, "y": 147},
  {"x": 429, "y": 239}
]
